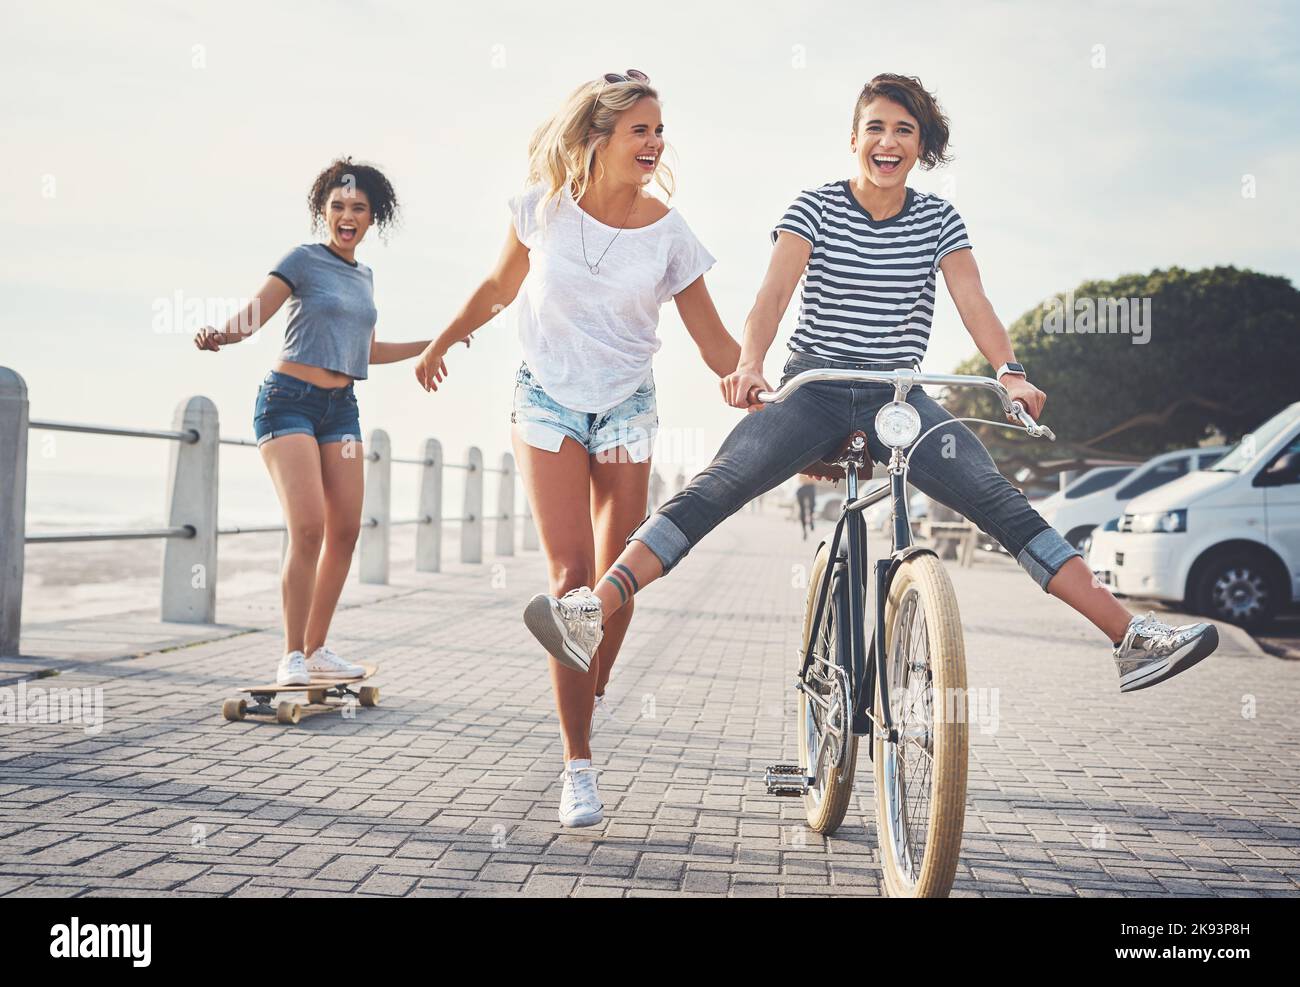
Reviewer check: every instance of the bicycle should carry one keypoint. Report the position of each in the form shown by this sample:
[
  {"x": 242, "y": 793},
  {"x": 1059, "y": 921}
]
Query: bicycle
[{"x": 920, "y": 759}]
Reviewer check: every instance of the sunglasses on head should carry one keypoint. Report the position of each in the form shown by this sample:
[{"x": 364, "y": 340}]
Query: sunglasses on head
[{"x": 633, "y": 75}]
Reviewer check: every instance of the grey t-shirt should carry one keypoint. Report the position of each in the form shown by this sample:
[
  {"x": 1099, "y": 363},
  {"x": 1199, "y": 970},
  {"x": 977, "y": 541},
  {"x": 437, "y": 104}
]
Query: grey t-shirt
[{"x": 331, "y": 311}]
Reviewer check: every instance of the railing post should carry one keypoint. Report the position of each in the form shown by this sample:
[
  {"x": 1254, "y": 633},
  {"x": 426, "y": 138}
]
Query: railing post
[
  {"x": 428, "y": 537},
  {"x": 506, "y": 507},
  {"x": 530, "y": 526},
  {"x": 376, "y": 505},
  {"x": 189, "y": 565},
  {"x": 471, "y": 531},
  {"x": 13, "y": 506}
]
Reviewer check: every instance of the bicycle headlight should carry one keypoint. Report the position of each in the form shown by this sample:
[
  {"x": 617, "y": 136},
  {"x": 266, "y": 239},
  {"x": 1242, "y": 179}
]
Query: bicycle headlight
[{"x": 898, "y": 424}]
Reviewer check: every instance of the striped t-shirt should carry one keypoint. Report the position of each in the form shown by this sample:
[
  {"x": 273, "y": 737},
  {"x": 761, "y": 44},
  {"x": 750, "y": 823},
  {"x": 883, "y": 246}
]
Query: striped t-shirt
[{"x": 868, "y": 291}]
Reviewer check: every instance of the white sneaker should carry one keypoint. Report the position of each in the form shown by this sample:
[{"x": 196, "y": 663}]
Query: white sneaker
[
  {"x": 568, "y": 628},
  {"x": 580, "y": 803},
  {"x": 323, "y": 661},
  {"x": 292, "y": 670}
]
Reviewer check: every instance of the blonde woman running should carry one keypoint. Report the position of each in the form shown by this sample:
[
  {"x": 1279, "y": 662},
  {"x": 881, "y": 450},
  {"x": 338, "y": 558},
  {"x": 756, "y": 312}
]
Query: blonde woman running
[{"x": 592, "y": 255}]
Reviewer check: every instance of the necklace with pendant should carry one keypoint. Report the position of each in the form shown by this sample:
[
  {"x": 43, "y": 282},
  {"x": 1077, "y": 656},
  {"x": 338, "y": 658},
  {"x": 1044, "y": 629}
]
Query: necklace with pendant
[{"x": 582, "y": 232}]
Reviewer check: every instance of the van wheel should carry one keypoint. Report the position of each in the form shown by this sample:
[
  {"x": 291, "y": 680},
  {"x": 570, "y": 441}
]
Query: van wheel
[{"x": 1238, "y": 587}]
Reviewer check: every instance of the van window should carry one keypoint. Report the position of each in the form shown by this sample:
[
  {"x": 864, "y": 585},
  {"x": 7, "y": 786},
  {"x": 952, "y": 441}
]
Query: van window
[
  {"x": 1208, "y": 459},
  {"x": 1252, "y": 442},
  {"x": 1154, "y": 477},
  {"x": 1098, "y": 481}
]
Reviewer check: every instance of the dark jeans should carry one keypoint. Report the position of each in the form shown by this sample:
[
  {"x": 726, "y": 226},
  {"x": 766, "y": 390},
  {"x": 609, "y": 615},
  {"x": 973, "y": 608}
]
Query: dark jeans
[{"x": 769, "y": 446}]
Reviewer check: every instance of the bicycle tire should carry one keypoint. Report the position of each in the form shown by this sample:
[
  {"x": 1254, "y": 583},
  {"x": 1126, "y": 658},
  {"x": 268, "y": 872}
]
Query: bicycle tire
[
  {"x": 826, "y": 803},
  {"x": 921, "y": 586}
]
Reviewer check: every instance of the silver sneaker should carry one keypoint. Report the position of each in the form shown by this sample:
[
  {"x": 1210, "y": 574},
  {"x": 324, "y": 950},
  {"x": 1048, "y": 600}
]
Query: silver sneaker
[
  {"x": 1152, "y": 651},
  {"x": 568, "y": 628}
]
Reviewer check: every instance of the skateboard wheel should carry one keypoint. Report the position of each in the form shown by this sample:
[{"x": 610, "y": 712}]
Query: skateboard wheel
[
  {"x": 316, "y": 697},
  {"x": 287, "y": 712},
  {"x": 234, "y": 709},
  {"x": 368, "y": 695}
]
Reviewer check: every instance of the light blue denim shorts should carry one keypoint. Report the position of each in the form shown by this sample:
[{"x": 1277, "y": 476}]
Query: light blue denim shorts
[{"x": 543, "y": 422}]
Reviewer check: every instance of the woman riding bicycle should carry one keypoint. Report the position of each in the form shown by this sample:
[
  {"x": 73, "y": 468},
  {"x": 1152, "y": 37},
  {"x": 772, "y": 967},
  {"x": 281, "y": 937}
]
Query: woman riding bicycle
[{"x": 867, "y": 249}]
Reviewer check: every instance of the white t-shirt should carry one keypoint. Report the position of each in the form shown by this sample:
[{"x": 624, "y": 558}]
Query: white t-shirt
[{"x": 589, "y": 338}]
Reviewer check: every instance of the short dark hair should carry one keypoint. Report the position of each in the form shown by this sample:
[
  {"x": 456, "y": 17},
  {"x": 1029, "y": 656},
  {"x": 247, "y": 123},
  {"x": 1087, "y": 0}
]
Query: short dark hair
[
  {"x": 344, "y": 173},
  {"x": 907, "y": 91}
]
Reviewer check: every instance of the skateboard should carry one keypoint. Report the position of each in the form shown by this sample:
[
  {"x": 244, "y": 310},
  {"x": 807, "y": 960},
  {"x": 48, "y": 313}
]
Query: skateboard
[{"x": 318, "y": 690}]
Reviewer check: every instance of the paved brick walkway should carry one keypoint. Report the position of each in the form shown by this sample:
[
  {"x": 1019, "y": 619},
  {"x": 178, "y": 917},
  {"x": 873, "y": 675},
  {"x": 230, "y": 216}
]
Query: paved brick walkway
[{"x": 450, "y": 786}]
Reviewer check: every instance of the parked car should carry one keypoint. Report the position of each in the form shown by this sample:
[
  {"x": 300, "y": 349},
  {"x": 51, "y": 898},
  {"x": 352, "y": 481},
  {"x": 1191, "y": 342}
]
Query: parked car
[
  {"x": 1101, "y": 493},
  {"x": 1222, "y": 542}
]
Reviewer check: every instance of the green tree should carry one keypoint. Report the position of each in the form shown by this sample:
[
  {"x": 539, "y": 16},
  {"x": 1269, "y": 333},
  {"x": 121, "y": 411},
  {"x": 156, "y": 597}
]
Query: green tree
[{"x": 1222, "y": 355}]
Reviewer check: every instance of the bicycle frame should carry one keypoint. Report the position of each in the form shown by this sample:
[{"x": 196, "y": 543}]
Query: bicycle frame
[{"x": 867, "y": 665}]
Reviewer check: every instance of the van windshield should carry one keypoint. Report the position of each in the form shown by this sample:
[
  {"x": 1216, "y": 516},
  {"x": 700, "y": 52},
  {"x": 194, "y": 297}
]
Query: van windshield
[{"x": 1240, "y": 455}]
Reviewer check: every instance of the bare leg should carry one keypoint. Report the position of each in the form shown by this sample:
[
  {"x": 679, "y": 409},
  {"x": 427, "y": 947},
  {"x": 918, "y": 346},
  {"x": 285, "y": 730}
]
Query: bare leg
[
  {"x": 344, "y": 484},
  {"x": 558, "y": 486},
  {"x": 618, "y": 498},
  {"x": 1075, "y": 584},
  {"x": 645, "y": 567},
  {"x": 294, "y": 464}
]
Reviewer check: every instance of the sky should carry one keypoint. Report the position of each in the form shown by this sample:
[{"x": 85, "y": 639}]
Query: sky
[{"x": 160, "y": 150}]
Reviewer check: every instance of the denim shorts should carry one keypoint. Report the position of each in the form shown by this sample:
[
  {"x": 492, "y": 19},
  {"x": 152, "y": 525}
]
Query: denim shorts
[
  {"x": 544, "y": 422},
  {"x": 291, "y": 406}
]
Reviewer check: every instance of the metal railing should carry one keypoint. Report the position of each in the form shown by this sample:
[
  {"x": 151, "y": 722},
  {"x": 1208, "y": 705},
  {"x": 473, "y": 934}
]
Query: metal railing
[{"x": 190, "y": 537}]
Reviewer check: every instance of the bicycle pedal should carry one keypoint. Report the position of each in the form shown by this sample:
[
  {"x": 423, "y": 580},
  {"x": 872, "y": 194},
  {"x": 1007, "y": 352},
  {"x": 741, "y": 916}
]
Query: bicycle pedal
[{"x": 786, "y": 780}]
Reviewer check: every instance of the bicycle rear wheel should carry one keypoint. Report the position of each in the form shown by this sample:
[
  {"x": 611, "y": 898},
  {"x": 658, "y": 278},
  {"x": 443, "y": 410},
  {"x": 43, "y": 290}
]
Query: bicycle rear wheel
[
  {"x": 828, "y": 750},
  {"x": 921, "y": 779}
]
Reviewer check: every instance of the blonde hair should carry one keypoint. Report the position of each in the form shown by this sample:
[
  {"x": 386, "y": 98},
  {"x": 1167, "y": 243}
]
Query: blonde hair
[{"x": 562, "y": 151}]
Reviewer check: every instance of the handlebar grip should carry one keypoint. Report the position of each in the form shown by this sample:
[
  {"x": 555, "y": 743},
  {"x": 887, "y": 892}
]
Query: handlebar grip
[{"x": 1031, "y": 426}]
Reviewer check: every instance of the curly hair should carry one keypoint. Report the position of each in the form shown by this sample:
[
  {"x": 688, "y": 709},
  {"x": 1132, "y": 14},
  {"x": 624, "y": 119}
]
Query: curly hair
[
  {"x": 344, "y": 174},
  {"x": 908, "y": 92}
]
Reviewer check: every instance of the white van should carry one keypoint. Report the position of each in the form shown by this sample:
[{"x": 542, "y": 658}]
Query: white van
[
  {"x": 1101, "y": 493},
  {"x": 1223, "y": 542}
]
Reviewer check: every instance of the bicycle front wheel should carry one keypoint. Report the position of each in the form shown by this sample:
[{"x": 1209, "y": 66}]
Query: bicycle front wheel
[
  {"x": 921, "y": 779},
  {"x": 828, "y": 750}
]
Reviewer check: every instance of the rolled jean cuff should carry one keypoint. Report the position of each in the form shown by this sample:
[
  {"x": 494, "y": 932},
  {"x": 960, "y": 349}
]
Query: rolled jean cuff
[
  {"x": 1043, "y": 557},
  {"x": 663, "y": 538}
]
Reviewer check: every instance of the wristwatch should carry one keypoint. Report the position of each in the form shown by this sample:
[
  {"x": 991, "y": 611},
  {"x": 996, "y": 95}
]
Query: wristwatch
[{"x": 1011, "y": 368}]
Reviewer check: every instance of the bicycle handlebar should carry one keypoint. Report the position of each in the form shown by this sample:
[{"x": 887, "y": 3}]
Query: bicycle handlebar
[{"x": 1014, "y": 409}]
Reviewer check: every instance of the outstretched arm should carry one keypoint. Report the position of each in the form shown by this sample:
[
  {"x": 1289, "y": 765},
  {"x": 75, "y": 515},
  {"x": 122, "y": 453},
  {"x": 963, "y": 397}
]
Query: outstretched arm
[
  {"x": 789, "y": 258},
  {"x": 962, "y": 276},
  {"x": 273, "y": 293},
  {"x": 394, "y": 352},
  {"x": 495, "y": 293},
  {"x": 695, "y": 305}
]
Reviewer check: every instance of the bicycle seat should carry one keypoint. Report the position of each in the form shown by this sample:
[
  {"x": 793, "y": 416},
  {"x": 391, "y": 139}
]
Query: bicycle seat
[{"x": 852, "y": 451}]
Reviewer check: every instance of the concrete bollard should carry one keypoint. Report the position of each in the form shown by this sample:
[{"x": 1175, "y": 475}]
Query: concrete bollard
[
  {"x": 189, "y": 565},
  {"x": 376, "y": 505},
  {"x": 471, "y": 530},
  {"x": 13, "y": 506},
  {"x": 506, "y": 507},
  {"x": 428, "y": 537}
]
